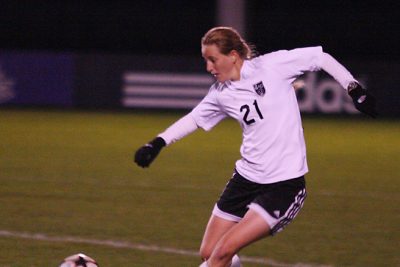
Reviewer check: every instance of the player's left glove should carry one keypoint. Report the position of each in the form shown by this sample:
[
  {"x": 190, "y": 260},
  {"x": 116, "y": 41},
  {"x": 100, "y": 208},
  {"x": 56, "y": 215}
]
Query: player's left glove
[
  {"x": 145, "y": 155},
  {"x": 362, "y": 99}
]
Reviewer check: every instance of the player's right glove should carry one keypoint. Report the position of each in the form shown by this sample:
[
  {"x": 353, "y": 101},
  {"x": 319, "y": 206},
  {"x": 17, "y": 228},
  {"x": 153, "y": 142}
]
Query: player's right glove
[
  {"x": 362, "y": 99},
  {"x": 145, "y": 155}
]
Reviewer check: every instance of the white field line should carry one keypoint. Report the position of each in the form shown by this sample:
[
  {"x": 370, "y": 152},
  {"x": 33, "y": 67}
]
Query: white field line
[{"x": 142, "y": 247}]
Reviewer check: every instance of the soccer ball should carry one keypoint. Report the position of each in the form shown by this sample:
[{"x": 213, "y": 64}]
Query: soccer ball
[{"x": 79, "y": 260}]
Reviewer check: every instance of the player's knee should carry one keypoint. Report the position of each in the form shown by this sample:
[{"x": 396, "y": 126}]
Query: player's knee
[
  {"x": 205, "y": 252},
  {"x": 224, "y": 251}
]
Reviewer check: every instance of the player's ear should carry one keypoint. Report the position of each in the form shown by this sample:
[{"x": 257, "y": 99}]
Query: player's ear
[{"x": 234, "y": 55}]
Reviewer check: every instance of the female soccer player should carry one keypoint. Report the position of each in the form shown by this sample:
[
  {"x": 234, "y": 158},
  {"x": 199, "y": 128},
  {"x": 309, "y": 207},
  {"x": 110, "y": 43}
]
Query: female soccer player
[{"x": 267, "y": 188}]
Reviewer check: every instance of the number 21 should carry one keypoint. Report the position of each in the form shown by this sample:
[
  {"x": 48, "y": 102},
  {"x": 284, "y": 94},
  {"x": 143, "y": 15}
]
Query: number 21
[{"x": 246, "y": 110}]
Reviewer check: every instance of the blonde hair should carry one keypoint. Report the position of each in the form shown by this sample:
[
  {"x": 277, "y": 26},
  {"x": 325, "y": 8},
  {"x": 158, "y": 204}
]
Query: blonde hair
[{"x": 228, "y": 39}]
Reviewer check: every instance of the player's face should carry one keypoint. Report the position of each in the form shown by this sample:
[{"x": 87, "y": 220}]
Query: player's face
[{"x": 219, "y": 65}]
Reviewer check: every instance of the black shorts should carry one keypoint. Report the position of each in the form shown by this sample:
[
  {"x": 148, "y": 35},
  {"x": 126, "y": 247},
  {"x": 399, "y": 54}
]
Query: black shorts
[{"x": 278, "y": 203}]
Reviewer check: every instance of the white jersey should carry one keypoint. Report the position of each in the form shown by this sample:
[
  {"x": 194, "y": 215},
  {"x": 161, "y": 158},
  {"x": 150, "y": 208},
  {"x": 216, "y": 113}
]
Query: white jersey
[{"x": 264, "y": 102}]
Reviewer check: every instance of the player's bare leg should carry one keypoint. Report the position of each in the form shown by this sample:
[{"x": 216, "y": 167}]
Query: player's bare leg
[
  {"x": 215, "y": 229},
  {"x": 250, "y": 229}
]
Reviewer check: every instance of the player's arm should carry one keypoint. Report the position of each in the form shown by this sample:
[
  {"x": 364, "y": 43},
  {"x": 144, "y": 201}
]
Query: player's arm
[
  {"x": 145, "y": 155},
  {"x": 362, "y": 99}
]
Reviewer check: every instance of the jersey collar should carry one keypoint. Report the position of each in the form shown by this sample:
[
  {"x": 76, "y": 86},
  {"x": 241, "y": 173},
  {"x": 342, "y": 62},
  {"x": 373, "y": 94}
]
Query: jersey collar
[
  {"x": 247, "y": 70},
  {"x": 245, "y": 73}
]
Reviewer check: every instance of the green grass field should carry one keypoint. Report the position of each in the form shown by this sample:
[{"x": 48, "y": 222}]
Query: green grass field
[{"x": 70, "y": 174}]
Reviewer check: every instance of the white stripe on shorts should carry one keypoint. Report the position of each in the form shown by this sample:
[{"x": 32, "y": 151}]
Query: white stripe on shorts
[
  {"x": 224, "y": 215},
  {"x": 276, "y": 225}
]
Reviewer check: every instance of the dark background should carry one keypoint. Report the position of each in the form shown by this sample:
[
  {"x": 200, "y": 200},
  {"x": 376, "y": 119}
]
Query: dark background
[
  {"x": 346, "y": 29},
  {"x": 104, "y": 39}
]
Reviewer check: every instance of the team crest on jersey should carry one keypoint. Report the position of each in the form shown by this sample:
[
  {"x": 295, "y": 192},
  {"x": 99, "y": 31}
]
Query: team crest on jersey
[{"x": 259, "y": 88}]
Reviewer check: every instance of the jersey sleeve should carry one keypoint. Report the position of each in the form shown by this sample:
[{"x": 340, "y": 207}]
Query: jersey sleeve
[
  {"x": 337, "y": 71},
  {"x": 292, "y": 63},
  {"x": 208, "y": 112},
  {"x": 184, "y": 126}
]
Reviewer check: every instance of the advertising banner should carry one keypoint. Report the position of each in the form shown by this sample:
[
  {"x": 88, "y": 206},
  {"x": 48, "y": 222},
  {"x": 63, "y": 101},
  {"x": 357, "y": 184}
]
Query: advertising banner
[
  {"x": 319, "y": 93},
  {"x": 36, "y": 78},
  {"x": 167, "y": 82}
]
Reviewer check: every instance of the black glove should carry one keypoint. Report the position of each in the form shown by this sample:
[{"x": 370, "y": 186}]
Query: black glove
[
  {"x": 147, "y": 153},
  {"x": 362, "y": 99}
]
